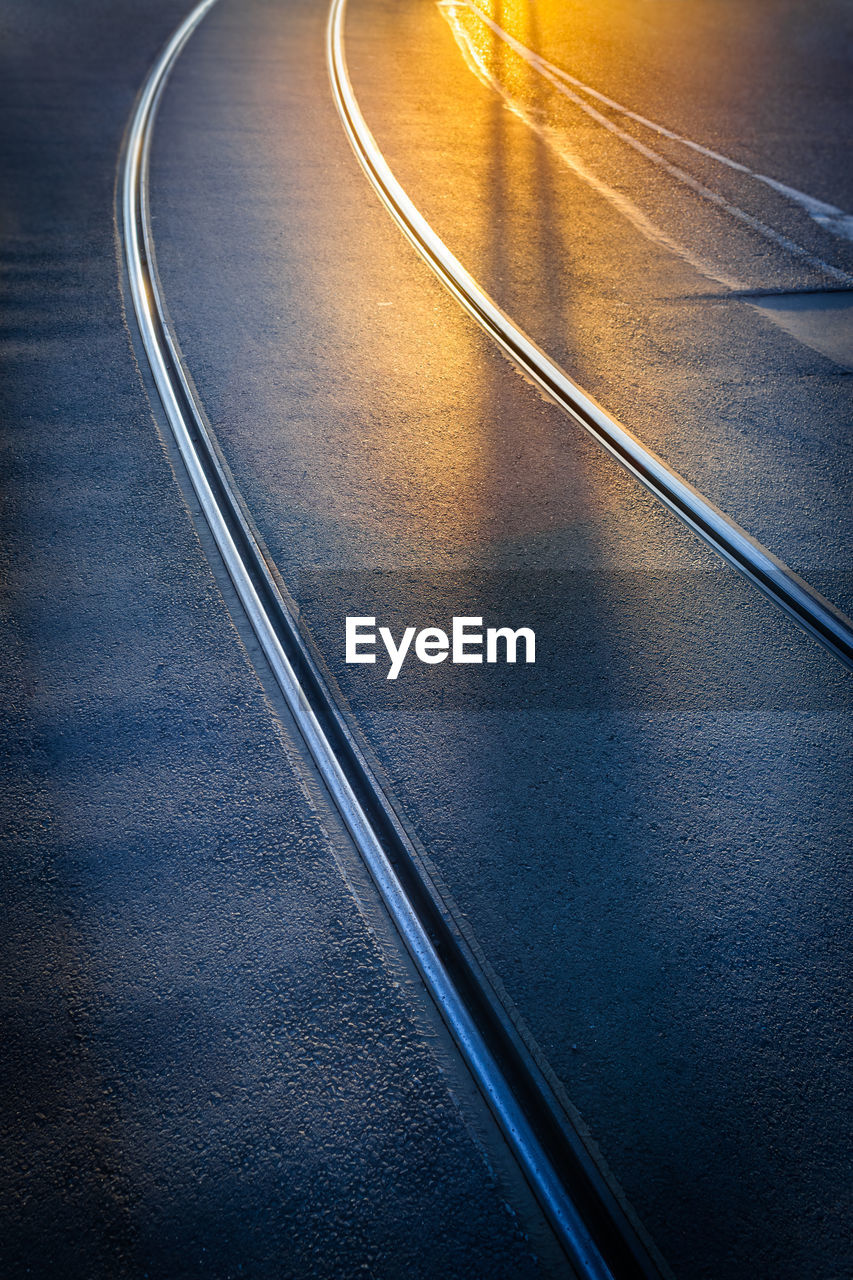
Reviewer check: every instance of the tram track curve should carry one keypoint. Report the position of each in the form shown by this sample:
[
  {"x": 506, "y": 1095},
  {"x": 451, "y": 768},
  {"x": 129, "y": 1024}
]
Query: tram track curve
[
  {"x": 597, "y": 1234},
  {"x": 590, "y": 1220},
  {"x": 775, "y": 579}
]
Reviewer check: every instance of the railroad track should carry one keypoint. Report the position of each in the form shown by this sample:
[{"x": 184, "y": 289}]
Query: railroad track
[
  {"x": 764, "y": 570},
  {"x": 594, "y": 1228}
]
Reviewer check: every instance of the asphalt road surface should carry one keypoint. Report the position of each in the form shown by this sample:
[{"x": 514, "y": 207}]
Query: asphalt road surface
[
  {"x": 215, "y": 1060},
  {"x": 646, "y": 832}
]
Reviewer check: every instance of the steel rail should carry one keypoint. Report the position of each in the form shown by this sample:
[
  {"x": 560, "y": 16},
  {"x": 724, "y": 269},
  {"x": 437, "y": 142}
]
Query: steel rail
[
  {"x": 763, "y": 569},
  {"x": 588, "y": 1219}
]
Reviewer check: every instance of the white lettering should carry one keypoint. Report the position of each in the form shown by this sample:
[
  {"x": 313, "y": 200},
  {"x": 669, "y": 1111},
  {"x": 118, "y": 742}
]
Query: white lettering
[
  {"x": 511, "y": 638},
  {"x": 431, "y": 644},
  {"x": 354, "y": 639},
  {"x": 396, "y": 654},
  {"x": 461, "y": 637}
]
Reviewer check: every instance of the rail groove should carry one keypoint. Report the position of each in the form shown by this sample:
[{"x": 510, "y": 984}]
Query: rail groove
[
  {"x": 763, "y": 569},
  {"x": 587, "y": 1216}
]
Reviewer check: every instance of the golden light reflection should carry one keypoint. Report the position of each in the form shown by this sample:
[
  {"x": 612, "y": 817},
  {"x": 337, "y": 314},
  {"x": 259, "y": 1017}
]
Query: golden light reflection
[
  {"x": 437, "y": 466},
  {"x": 490, "y": 57}
]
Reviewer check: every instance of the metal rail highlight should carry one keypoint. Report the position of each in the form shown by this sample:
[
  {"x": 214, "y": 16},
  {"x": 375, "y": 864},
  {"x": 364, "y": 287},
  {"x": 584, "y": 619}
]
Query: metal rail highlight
[
  {"x": 588, "y": 1219},
  {"x": 764, "y": 570}
]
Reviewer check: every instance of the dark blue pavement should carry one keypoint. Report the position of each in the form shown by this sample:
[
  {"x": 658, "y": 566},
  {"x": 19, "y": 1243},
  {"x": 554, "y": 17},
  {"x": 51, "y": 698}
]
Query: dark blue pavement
[
  {"x": 648, "y": 832},
  {"x": 214, "y": 1061}
]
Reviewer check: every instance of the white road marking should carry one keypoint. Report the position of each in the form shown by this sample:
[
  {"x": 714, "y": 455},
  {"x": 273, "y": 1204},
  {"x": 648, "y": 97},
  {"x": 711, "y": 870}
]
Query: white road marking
[
  {"x": 554, "y": 139},
  {"x": 756, "y": 563},
  {"x": 828, "y": 216}
]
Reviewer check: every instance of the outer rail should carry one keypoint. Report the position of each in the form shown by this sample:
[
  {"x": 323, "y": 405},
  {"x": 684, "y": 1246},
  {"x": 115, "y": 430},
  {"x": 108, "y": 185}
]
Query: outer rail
[
  {"x": 588, "y": 1219},
  {"x": 772, "y": 576}
]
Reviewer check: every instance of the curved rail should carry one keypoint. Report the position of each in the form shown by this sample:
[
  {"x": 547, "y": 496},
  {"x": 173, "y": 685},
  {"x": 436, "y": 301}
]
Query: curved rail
[
  {"x": 585, "y": 1213},
  {"x": 772, "y": 576}
]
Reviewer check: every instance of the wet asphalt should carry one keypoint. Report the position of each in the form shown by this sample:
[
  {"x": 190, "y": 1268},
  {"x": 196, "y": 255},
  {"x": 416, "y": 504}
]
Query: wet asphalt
[{"x": 647, "y": 831}]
